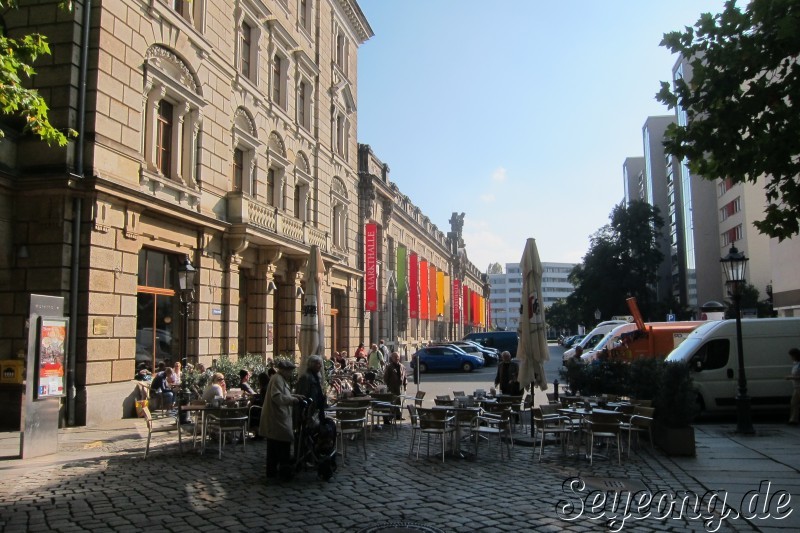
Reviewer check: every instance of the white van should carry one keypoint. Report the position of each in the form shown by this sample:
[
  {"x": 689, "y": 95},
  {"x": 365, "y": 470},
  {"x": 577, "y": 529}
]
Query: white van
[
  {"x": 593, "y": 337},
  {"x": 711, "y": 351}
]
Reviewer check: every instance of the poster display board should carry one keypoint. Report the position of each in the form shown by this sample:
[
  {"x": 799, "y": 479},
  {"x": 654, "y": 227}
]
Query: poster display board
[{"x": 50, "y": 357}]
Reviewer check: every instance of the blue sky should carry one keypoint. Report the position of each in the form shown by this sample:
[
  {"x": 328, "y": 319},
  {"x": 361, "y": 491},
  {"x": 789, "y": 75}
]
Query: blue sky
[{"x": 518, "y": 113}]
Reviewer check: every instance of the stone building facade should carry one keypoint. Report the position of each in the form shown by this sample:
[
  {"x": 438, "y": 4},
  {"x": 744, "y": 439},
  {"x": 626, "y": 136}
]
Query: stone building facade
[
  {"x": 224, "y": 132},
  {"x": 414, "y": 261}
]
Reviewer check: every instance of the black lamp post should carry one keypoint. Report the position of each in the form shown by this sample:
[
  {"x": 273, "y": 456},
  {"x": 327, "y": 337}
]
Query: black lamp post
[
  {"x": 186, "y": 279},
  {"x": 734, "y": 266}
]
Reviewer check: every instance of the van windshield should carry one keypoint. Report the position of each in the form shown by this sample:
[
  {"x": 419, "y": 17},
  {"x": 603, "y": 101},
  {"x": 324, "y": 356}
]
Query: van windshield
[
  {"x": 685, "y": 349},
  {"x": 593, "y": 341}
]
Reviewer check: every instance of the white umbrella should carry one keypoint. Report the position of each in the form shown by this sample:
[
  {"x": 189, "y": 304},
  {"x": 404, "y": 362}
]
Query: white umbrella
[
  {"x": 312, "y": 321},
  {"x": 532, "y": 351}
]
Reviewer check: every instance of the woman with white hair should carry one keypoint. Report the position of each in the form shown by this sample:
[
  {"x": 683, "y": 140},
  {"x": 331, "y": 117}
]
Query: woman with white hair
[{"x": 310, "y": 384}]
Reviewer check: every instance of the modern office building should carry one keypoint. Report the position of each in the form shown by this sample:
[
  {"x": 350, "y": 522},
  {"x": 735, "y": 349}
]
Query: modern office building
[{"x": 506, "y": 291}]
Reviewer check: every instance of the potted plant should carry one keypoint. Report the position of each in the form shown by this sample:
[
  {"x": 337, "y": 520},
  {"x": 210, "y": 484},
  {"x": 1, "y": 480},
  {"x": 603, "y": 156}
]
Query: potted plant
[{"x": 675, "y": 409}]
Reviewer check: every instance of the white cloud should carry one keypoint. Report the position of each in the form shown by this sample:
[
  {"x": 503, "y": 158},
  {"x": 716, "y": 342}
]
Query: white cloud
[{"x": 499, "y": 175}]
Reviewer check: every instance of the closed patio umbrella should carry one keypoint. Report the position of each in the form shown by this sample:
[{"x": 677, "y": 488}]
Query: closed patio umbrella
[
  {"x": 312, "y": 321},
  {"x": 532, "y": 350}
]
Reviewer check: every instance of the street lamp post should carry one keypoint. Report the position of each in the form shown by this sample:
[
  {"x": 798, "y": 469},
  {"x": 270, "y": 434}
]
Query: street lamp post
[
  {"x": 734, "y": 266},
  {"x": 186, "y": 279}
]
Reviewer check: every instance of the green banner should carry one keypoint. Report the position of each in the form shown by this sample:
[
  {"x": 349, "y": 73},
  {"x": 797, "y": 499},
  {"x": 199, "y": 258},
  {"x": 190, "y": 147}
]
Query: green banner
[{"x": 402, "y": 271}]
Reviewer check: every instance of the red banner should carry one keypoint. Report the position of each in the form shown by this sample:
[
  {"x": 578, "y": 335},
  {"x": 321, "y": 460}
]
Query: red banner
[
  {"x": 423, "y": 290},
  {"x": 456, "y": 301},
  {"x": 476, "y": 308},
  {"x": 371, "y": 267},
  {"x": 413, "y": 286},
  {"x": 465, "y": 304}
]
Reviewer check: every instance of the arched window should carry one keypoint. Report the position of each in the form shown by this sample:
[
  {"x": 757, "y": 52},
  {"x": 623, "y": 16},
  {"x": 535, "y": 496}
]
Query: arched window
[
  {"x": 340, "y": 207},
  {"x": 173, "y": 117}
]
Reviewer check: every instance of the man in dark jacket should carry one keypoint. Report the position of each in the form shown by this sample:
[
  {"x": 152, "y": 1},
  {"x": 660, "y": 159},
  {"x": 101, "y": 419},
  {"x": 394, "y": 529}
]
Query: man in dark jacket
[
  {"x": 507, "y": 372},
  {"x": 310, "y": 384},
  {"x": 394, "y": 376}
]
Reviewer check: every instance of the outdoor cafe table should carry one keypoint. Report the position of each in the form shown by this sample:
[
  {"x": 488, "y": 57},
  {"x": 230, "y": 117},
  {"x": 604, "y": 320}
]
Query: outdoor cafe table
[
  {"x": 456, "y": 410},
  {"x": 581, "y": 413}
]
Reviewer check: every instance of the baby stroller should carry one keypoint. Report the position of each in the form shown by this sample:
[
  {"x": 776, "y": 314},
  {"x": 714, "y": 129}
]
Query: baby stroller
[{"x": 315, "y": 442}]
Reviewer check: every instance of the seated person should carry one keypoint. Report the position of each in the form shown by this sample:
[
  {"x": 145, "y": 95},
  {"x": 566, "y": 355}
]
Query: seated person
[
  {"x": 244, "y": 377},
  {"x": 361, "y": 387},
  {"x": 142, "y": 373},
  {"x": 160, "y": 387},
  {"x": 215, "y": 389},
  {"x": 340, "y": 359},
  {"x": 175, "y": 379}
]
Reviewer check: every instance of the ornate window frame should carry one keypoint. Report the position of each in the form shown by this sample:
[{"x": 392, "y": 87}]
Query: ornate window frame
[
  {"x": 168, "y": 77},
  {"x": 245, "y": 138}
]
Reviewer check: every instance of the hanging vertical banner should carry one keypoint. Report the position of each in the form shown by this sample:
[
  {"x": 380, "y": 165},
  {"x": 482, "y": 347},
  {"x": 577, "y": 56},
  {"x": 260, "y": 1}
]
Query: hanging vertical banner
[
  {"x": 456, "y": 300},
  {"x": 483, "y": 311},
  {"x": 402, "y": 268},
  {"x": 424, "y": 308},
  {"x": 466, "y": 305},
  {"x": 371, "y": 267},
  {"x": 413, "y": 286},
  {"x": 444, "y": 290},
  {"x": 476, "y": 308},
  {"x": 434, "y": 302}
]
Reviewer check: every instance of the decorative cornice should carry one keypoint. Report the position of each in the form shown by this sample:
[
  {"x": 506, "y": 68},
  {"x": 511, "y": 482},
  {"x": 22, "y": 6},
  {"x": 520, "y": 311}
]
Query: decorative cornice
[{"x": 357, "y": 20}]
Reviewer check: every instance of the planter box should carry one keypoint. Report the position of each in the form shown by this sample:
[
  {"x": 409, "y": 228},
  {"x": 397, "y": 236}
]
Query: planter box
[{"x": 675, "y": 441}]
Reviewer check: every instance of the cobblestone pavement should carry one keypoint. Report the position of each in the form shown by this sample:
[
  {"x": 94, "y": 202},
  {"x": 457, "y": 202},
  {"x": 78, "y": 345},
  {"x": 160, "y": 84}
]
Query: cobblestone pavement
[{"x": 100, "y": 482}]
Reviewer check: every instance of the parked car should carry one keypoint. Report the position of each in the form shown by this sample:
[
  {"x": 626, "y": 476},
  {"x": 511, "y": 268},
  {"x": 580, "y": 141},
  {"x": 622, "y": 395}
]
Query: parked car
[
  {"x": 490, "y": 355},
  {"x": 445, "y": 358},
  {"x": 499, "y": 340},
  {"x": 572, "y": 339}
]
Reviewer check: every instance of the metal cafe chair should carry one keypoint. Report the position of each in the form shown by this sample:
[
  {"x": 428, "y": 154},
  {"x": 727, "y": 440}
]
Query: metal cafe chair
[
  {"x": 435, "y": 422},
  {"x": 229, "y": 420}
]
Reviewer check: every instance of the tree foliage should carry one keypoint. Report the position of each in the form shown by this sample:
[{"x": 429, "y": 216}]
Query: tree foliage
[
  {"x": 622, "y": 261},
  {"x": 17, "y": 56},
  {"x": 742, "y": 122},
  {"x": 561, "y": 316},
  {"x": 494, "y": 268}
]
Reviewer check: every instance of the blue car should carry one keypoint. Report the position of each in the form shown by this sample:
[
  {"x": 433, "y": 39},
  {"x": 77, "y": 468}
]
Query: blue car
[{"x": 445, "y": 358}]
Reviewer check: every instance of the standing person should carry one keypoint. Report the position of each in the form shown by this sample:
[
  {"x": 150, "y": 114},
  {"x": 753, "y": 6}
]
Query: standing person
[
  {"x": 794, "y": 406},
  {"x": 361, "y": 353},
  {"x": 375, "y": 360},
  {"x": 276, "y": 420},
  {"x": 394, "y": 376},
  {"x": 309, "y": 385},
  {"x": 507, "y": 373},
  {"x": 384, "y": 350}
]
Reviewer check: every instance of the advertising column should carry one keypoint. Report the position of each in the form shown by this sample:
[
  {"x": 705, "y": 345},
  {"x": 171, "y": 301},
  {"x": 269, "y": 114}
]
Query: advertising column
[{"x": 45, "y": 383}]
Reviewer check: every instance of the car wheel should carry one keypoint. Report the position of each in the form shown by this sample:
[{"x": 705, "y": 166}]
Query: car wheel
[
  {"x": 423, "y": 368},
  {"x": 467, "y": 366}
]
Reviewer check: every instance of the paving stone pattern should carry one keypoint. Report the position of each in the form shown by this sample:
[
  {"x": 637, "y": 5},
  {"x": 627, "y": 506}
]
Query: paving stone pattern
[{"x": 100, "y": 482}]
